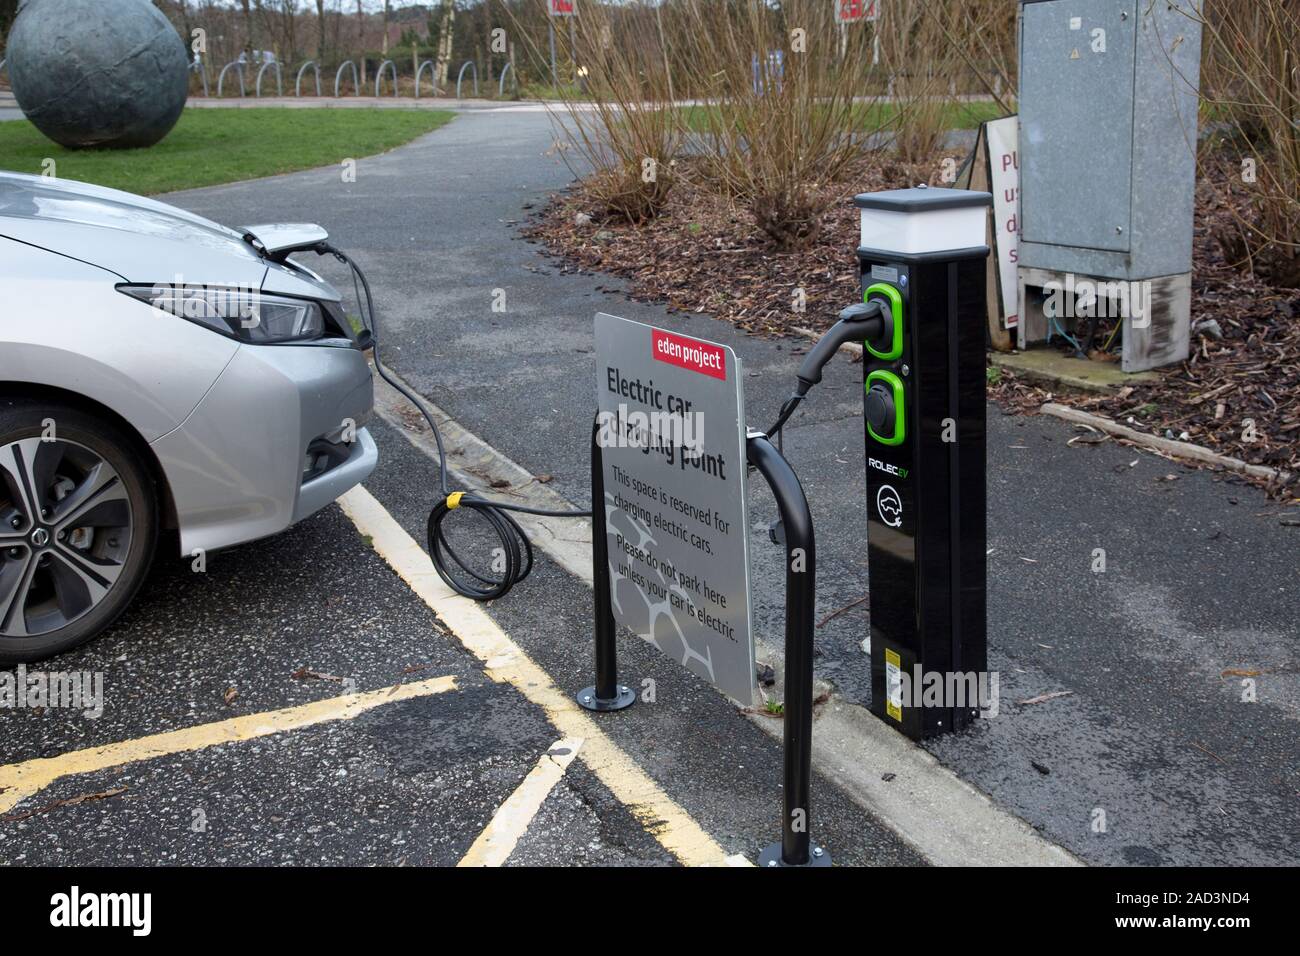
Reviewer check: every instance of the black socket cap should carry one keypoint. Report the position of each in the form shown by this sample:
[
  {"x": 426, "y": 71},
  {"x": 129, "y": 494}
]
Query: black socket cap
[{"x": 922, "y": 199}]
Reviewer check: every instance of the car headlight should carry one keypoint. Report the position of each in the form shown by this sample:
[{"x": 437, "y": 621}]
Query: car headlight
[{"x": 246, "y": 314}]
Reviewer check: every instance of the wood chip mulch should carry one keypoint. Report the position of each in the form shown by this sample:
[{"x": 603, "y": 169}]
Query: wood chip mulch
[
  {"x": 705, "y": 255},
  {"x": 1239, "y": 391}
]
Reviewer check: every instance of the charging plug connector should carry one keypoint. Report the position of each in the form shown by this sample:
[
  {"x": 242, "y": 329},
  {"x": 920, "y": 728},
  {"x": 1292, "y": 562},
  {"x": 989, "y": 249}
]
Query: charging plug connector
[{"x": 861, "y": 322}]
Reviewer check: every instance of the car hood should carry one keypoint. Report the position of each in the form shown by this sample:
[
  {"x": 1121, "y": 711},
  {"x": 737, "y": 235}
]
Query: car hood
[{"x": 141, "y": 240}]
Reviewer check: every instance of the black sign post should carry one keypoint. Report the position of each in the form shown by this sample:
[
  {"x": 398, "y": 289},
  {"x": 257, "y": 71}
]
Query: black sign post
[
  {"x": 796, "y": 847},
  {"x": 607, "y": 693}
]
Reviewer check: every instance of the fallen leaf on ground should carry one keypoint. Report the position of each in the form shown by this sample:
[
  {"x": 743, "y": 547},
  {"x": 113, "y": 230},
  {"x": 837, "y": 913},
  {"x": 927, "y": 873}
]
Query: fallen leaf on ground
[
  {"x": 69, "y": 802},
  {"x": 1045, "y": 697},
  {"x": 303, "y": 673}
]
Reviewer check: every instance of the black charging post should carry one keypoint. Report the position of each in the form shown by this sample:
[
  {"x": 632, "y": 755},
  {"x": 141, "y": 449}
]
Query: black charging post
[{"x": 922, "y": 257}]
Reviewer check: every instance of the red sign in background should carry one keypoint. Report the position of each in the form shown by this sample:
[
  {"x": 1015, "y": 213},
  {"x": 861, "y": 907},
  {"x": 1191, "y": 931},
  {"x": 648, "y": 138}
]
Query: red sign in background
[{"x": 850, "y": 11}]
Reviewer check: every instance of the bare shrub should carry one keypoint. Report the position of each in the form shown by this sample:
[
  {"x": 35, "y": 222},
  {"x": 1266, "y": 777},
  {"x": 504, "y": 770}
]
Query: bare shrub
[
  {"x": 983, "y": 36},
  {"x": 921, "y": 49},
  {"x": 619, "y": 117},
  {"x": 779, "y": 119},
  {"x": 1251, "y": 85},
  {"x": 774, "y": 100}
]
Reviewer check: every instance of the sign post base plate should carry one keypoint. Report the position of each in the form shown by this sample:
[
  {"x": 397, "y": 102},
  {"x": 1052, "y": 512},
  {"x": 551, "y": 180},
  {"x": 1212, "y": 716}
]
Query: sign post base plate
[
  {"x": 771, "y": 856},
  {"x": 588, "y": 700}
]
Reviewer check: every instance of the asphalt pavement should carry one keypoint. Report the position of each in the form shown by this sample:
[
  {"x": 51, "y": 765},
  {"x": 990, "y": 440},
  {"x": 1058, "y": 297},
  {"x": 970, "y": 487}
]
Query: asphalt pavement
[
  {"x": 1201, "y": 580},
  {"x": 304, "y": 617},
  {"x": 1150, "y": 734},
  {"x": 315, "y": 614}
]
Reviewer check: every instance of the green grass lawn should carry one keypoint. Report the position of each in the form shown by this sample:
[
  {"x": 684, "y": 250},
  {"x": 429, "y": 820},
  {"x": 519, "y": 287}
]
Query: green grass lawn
[
  {"x": 212, "y": 146},
  {"x": 959, "y": 115}
]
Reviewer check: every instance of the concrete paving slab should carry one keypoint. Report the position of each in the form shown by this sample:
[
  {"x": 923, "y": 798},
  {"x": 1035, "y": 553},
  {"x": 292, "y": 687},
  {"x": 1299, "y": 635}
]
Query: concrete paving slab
[{"x": 1050, "y": 367}]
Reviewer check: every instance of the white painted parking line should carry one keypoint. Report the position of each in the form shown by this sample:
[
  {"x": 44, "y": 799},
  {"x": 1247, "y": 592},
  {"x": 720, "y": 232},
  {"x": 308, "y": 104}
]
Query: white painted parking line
[
  {"x": 500, "y": 837},
  {"x": 506, "y": 661}
]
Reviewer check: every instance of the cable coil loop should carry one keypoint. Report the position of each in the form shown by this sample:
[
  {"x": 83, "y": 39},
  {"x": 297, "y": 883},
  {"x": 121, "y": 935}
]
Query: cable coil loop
[{"x": 516, "y": 550}]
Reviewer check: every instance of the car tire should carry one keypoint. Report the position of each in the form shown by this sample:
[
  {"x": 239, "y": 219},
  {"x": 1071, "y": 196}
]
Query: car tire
[{"x": 78, "y": 527}]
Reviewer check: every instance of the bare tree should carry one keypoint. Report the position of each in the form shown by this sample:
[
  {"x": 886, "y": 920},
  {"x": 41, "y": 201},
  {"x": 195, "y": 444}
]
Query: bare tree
[
  {"x": 248, "y": 29},
  {"x": 268, "y": 31},
  {"x": 443, "y": 67},
  {"x": 289, "y": 16},
  {"x": 337, "y": 28},
  {"x": 320, "y": 31},
  {"x": 361, "y": 39}
]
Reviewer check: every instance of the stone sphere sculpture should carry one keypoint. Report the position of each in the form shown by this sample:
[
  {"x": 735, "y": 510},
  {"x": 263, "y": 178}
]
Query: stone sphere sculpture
[{"x": 109, "y": 73}]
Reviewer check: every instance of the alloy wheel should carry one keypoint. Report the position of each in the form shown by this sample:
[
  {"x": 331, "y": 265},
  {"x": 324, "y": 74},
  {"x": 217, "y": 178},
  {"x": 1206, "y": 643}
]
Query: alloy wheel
[{"x": 65, "y": 533}]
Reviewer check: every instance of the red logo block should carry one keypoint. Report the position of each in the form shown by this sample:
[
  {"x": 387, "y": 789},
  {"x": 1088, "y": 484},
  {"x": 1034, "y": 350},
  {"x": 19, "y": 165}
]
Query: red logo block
[{"x": 689, "y": 353}]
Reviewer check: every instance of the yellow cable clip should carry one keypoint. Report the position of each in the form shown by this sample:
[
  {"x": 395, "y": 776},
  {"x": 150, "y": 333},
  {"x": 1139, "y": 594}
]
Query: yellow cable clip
[{"x": 453, "y": 500}]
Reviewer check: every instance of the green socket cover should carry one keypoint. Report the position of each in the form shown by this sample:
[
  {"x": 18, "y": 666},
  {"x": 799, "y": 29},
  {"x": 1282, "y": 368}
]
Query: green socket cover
[
  {"x": 900, "y": 413},
  {"x": 896, "y": 307}
]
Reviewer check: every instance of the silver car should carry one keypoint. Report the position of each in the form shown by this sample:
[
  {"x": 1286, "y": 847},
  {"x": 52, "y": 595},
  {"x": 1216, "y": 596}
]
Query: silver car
[{"x": 157, "y": 372}]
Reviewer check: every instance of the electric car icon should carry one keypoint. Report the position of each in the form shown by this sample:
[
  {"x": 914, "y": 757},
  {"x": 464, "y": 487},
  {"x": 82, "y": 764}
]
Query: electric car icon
[
  {"x": 890, "y": 506},
  {"x": 158, "y": 372}
]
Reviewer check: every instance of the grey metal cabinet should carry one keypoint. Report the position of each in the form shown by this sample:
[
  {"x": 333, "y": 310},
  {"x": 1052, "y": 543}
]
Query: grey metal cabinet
[{"x": 1108, "y": 135}]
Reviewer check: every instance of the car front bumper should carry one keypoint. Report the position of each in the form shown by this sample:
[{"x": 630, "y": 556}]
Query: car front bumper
[{"x": 279, "y": 435}]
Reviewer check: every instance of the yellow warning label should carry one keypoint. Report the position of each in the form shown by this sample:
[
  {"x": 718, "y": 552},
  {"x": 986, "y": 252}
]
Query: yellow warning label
[{"x": 893, "y": 685}]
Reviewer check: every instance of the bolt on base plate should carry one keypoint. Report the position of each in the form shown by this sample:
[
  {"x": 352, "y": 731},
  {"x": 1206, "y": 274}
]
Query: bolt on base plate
[
  {"x": 588, "y": 700},
  {"x": 771, "y": 856}
]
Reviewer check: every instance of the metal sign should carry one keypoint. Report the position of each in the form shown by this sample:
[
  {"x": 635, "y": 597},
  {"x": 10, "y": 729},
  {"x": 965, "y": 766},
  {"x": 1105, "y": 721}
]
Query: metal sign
[
  {"x": 852, "y": 11},
  {"x": 1004, "y": 183},
  {"x": 672, "y": 444},
  {"x": 562, "y": 8}
]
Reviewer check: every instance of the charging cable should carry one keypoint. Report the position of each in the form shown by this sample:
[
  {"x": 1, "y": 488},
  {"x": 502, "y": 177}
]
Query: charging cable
[
  {"x": 861, "y": 322},
  {"x": 514, "y": 544}
]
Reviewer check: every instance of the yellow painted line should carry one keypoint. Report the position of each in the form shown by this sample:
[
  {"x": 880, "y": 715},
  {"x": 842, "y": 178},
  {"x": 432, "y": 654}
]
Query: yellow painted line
[
  {"x": 502, "y": 834},
  {"x": 506, "y": 662},
  {"x": 19, "y": 781}
]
